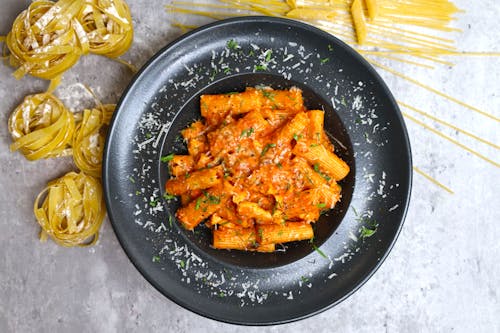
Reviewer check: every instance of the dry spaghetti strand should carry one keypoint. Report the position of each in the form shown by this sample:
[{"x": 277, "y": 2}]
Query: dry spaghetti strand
[{"x": 72, "y": 210}]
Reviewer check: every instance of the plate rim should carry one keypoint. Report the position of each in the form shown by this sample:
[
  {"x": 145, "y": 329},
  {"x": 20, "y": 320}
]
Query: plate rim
[{"x": 257, "y": 18}]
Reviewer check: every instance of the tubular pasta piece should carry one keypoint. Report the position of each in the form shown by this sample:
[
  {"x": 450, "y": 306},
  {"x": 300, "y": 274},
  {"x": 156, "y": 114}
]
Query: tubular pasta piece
[
  {"x": 197, "y": 180},
  {"x": 253, "y": 210},
  {"x": 282, "y": 233},
  {"x": 181, "y": 164},
  {"x": 322, "y": 158},
  {"x": 358, "y": 17},
  {"x": 201, "y": 208}
]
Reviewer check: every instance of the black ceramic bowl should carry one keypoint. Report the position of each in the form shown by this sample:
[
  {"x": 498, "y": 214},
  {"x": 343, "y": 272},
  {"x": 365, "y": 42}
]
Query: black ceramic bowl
[{"x": 350, "y": 241}]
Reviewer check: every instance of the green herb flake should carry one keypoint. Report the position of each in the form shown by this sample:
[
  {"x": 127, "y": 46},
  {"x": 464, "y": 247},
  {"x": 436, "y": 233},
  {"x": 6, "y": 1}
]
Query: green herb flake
[
  {"x": 247, "y": 132},
  {"x": 187, "y": 175},
  {"x": 167, "y": 196},
  {"x": 167, "y": 158},
  {"x": 155, "y": 259},
  {"x": 232, "y": 44},
  {"x": 279, "y": 165},
  {"x": 365, "y": 232},
  {"x": 266, "y": 148},
  {"x": 269, "y": 54},
  {"x": 316, "y": 168},
  {"x": 297, "y": 137},
  {"x": 182, "y": 264},
  {"x": 268, "y": 94},
  {"x": 324, "y": 61},
  {"x": 227, "y": 70},
  {"x": 321, "y": 253},
  {"x": 132, "y": 180},
  {"x": 170, "y": 220},
  {"x": 321, "y": 205},
  {"x": 304, "y": 279},
  {"x": 137, "y": 192},
  {"x": 260, "y": 68},
  {"x": 221, "y": 294},
  {"x": 343, "y": 102},
  {"x": 153, "y": 203},
  {"x": 198, "y": 203},
  {"x": 330, "y": 48}
]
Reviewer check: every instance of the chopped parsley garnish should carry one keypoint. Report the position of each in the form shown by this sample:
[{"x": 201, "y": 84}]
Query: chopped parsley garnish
[
  {"x": 321, "y": 253},
  {"x": 268, "y": 94},
  {"x": 198, "y": 203},
  {"x": 167, "y": 158},
  {"x": 297, "y": 137},
  {"x": 330, "y": 48},
  {"x": 247, "y": 132},
  {"x": 365, "y": 232},
  {"x": 132, "y": 180},
  {"x": 232, "y": 44},
  {"x": 170, "y": 220},
  {"x": 321, "y": 205},
  {"x": 137, "y": 192},
  {"x": 153, "y": 203},
  {"x": 187, "y": 175},
  {"x": 266, "y": 148},
  {"x": 182, "y": 264},
  {"x": 316, "y": 168},
  {"x": 260, "y": 68},
  {"x": 304, "y": 279},
  {"x": 314, "y": 145},
  {"x": 212, "y": 199},
  {"x": 269, "y": 54},
  {"x": 221, "y": 294},
  {"x": 227, "y": 70},
  {"x": 343, "y": 102},
  {"x": 149, "y": 135},
  {"x": 167, "y": 196},
  {"x": 155, "y": 259},
  {"x": 324, "y": 61},
  {"x": 279, "y": 165}
]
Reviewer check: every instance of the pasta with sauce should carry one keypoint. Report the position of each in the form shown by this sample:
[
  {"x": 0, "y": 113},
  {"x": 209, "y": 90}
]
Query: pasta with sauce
[{"x": 259, "y": 170}]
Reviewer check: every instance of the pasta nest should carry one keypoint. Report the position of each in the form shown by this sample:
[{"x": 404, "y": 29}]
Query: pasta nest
[
  {"x": 49, "y": 37},
  {"x": 45, "y": 39},
  {"x": 89, "y": 138},
  {"x": 108, "y": 26},
  {"x": 72, "y": 210},
  {"x": 41, "y": 127}
]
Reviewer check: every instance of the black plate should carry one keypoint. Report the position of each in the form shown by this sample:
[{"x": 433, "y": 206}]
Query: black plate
[{"x": 362, "y": 118}]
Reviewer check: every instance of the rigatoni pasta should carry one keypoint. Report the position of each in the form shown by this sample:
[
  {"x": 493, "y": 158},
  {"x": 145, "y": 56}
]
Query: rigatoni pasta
[{"x": 259, "y": 171}]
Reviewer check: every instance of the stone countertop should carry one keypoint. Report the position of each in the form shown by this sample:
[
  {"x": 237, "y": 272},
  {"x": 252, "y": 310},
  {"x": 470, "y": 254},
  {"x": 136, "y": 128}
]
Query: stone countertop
[{"x": 441, "y": 276}]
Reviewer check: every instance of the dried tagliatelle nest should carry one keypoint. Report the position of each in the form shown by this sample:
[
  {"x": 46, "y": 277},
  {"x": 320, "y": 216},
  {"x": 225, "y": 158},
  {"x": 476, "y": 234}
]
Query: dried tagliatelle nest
[
  {"x": 88, "y": 141},
  {"x": 41, "y": 127},
  {"x": 71, "y": 209},
  {"x": 49, "y": 37}
]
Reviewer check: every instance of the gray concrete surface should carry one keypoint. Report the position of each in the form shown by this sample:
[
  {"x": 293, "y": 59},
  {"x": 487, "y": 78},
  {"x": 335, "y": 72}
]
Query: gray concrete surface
[{"x": 441, "y": 276}]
